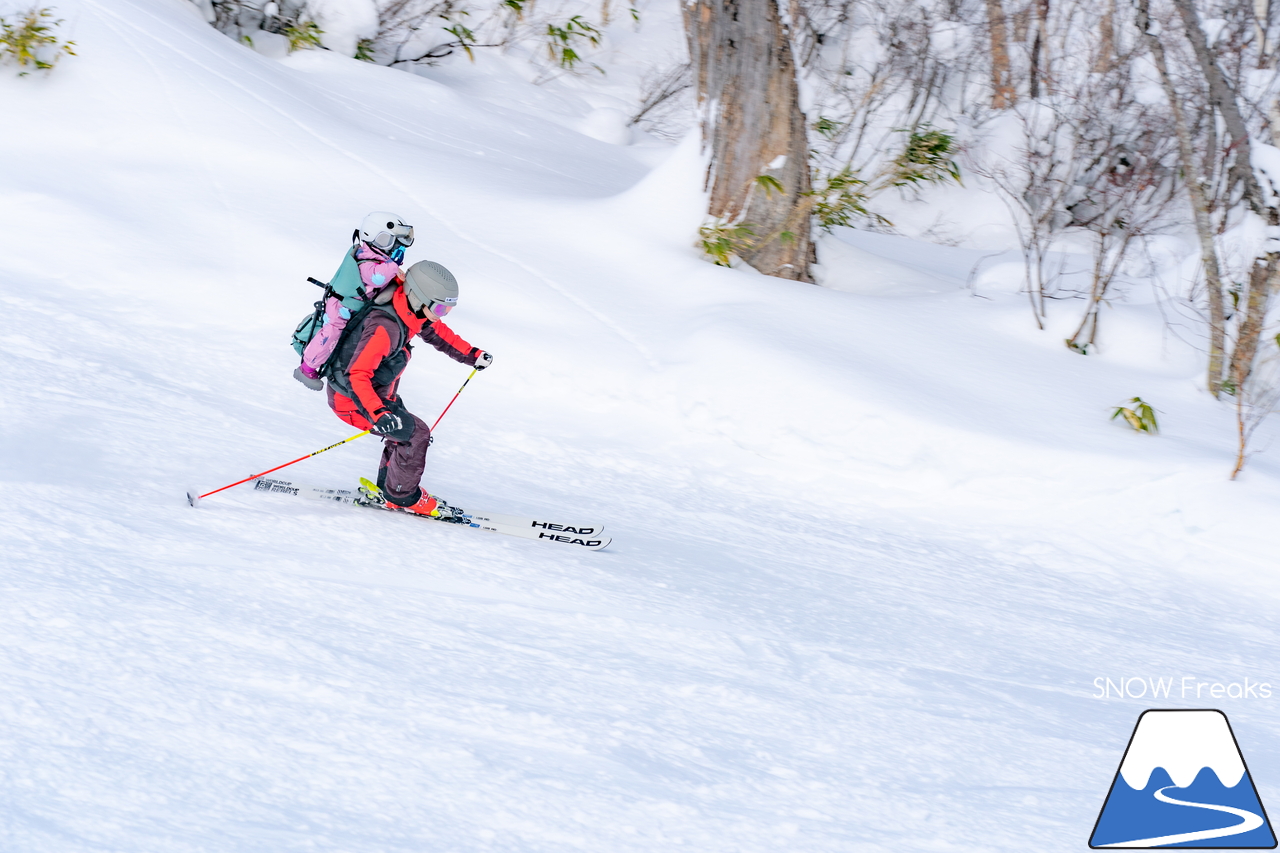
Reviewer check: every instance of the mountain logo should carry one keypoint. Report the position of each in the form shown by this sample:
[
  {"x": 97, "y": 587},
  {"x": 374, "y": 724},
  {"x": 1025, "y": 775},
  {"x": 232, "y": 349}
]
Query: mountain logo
[{"x": 1183, "y": 783}]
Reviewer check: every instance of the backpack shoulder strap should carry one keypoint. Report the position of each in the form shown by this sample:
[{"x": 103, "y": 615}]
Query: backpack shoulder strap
[
  {"x": 346, "y": 282},
  {"x": 336, "y": 366}
]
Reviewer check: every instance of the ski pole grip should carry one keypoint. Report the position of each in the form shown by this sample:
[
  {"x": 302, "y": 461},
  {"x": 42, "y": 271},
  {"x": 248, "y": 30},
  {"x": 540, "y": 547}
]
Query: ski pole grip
[{"x": 316, "y": 283}]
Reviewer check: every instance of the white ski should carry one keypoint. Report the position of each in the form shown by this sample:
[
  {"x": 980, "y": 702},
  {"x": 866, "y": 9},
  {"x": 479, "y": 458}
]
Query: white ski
[{"x": 580, "y": 535}]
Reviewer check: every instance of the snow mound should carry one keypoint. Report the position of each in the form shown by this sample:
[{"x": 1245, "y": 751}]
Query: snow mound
[
  {"x": 607, "y": 125},
  {"x": 344, "y": 23}
]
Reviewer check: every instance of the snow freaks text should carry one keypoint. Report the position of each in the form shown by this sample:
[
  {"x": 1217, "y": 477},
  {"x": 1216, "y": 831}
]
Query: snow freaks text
[{"x": 1186, "y": 687}]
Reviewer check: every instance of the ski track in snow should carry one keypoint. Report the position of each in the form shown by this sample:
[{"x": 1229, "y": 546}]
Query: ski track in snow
[{"x": 869, "y": 553}]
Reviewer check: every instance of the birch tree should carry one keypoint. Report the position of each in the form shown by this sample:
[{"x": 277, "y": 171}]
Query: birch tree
[
  {"x": 1236, "y": 193},
  {"x": 1003, "y": 92}
]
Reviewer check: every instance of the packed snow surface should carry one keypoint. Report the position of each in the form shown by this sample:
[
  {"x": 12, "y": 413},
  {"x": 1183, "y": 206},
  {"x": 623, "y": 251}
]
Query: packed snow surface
[{"x": 873, "y": 541}]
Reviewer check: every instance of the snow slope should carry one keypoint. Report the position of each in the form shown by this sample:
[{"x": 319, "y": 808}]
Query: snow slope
[{"x": 911, "y": 538}]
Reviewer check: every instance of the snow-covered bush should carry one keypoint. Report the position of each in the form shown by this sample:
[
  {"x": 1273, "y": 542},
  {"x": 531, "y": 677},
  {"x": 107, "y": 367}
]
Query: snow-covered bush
[
  {"x": 557, "y": 38},
  {"x": 412, "y": 32},
  {"x": 31, "y": 40},
  {"x": 665, "y": 107},
  {"x": 876, "y": 71},
  {"x": 338, "y": 25},
  {"x": 343, "y": 23}
]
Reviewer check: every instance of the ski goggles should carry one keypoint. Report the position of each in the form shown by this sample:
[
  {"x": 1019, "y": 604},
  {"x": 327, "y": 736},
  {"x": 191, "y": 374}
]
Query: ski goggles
[
  {"x": 403, "y": 235},
  {"x": 439, "y": 309}
]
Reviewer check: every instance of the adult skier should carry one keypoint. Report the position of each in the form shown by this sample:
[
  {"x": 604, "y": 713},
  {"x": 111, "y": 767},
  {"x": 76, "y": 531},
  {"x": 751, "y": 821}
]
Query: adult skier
[{"x": 365, "y": 375}]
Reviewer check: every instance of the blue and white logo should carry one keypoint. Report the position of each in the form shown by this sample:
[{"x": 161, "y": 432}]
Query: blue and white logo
[{"x": 1183, "y": 783}]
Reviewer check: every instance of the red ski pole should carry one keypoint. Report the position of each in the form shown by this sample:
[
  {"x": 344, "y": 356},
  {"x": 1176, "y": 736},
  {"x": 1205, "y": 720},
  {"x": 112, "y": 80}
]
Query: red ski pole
[
  {"x": 455, "y": 396},
  {"x": 193, "y": 498}
]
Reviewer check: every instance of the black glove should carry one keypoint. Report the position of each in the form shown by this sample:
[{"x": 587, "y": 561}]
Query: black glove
[
  {"x": 483, "y": 359},
  {"x": 389, "y": 424}
]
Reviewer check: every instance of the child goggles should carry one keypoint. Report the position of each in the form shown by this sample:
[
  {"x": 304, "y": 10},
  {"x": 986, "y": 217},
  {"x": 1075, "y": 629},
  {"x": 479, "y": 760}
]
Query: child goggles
[
  {"x": 440, "y": 308},
  {"x": 403, "y": 234}
]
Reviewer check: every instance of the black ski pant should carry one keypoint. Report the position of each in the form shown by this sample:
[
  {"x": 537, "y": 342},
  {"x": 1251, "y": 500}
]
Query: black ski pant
[
  {"x": 403, "y": 462},
  {"x": 400, "y": 471}
]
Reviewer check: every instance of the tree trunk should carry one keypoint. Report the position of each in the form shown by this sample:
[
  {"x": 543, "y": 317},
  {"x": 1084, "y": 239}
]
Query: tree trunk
[
  {"x": 1199, "y": 203},
  {"x": 753, "y": 126},
  {"x": 1034, "y": 83},
  {"x": 1223, "y": 97},
  {"x": 1040, "y": 49},
  {"x": 1261, "y": 282},
  {"x": 1003, "y": 94},
  {"x": 1261, "y": 25},
  {"x": 1106, "y": 57},
  {"x": 1022, "y": 23},
  {"x": 1240, "y": 175},
  {"x": 1242, "y": 437},
  {"x": 1106, "y": 264}
]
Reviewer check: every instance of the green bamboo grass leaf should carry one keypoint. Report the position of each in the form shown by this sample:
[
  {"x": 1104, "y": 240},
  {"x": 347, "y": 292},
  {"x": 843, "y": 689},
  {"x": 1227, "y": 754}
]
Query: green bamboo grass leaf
[
  {"x": 927, "y": 159},
  {"x": 828, "y": 127},
  {"x": 770, "y": 184},
  {"x": 841, "y": 197},
  {"x": 721, "y": 240},
  {"x": 32, "y": 40},
  {"x": 303, "y": 35},
  {"x": 1141, "y": 417},
  {"x": 466, "y": 38},
  {"x": 561, "y": 38}
]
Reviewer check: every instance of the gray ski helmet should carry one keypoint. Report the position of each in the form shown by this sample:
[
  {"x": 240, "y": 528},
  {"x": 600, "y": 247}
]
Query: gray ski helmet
[{"x": 431, "y": 289}]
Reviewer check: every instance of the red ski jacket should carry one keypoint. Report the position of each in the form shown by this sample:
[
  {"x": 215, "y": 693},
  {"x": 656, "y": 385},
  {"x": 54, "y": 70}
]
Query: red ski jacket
[{"x": 368, "y": 363}]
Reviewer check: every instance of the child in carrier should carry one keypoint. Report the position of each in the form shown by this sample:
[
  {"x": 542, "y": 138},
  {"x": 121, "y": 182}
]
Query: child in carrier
[{"x": 372, "y": 263}]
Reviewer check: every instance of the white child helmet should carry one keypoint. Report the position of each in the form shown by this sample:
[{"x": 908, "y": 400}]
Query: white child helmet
[{"x": 384, "y": 231}]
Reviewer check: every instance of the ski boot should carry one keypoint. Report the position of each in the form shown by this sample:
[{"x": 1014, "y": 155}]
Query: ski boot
[
  {"x": 443, "y": 511},
  {"x": 308, "y": 376},
  {"x": 428, "y": 505}
]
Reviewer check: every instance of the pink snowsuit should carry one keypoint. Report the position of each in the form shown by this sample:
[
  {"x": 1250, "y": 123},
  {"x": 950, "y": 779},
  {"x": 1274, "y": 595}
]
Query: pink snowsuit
[{"x": 377, "y": 270}]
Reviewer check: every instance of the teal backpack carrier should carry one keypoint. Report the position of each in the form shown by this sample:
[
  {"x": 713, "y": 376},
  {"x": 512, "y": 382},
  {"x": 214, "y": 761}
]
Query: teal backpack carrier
[{"x": 346, "y": 285}]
